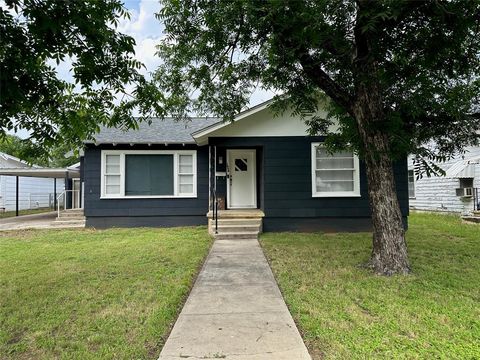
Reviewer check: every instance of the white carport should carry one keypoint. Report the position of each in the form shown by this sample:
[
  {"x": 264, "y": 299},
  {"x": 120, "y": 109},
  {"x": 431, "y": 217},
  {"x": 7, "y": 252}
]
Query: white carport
[{"x": 53, "y": 173}]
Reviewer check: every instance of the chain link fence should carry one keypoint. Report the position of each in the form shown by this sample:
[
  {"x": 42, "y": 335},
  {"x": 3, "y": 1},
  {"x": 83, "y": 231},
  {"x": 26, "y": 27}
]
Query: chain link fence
[{"x": 41, "y": 200}]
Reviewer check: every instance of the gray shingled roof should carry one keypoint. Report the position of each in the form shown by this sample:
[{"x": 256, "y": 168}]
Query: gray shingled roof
[{"x": 158, "y": 132}]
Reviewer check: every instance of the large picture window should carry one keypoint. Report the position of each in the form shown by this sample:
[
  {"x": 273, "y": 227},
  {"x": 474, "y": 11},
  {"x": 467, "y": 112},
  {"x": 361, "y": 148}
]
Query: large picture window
[
  {"x": 156, "y": 173},
  {"x": 334, "y": 175}
]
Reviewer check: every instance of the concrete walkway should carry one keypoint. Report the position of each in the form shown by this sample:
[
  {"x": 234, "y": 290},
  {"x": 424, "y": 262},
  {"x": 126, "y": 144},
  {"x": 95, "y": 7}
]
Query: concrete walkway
[{"x": 235, "y": 311}]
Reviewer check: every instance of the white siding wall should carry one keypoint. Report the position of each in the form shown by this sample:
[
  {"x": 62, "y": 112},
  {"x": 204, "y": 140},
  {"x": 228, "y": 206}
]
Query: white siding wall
[
  {"x": 438, "y": 193},
  {"x": 33, "y": 192}
]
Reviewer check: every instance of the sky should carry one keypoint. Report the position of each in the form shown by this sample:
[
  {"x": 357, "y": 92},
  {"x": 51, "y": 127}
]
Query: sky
[
  {"x": 143, "y": 27},
  {"x": 147, "y": 32}
]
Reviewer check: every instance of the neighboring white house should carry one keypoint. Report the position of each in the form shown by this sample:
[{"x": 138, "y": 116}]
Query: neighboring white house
[
  {"x": 454, "y": 192},
  {"x": 34, "y": 192}
]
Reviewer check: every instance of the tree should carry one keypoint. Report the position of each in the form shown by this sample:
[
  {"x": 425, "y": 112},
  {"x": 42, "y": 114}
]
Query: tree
[
  {"x": 54, "y": 156},
  {"x": 34, "y": 35},
  {"x": 398, "y": 75},
  {"x": 62, "y": 156},
  {"x": 13, "y": 145}
]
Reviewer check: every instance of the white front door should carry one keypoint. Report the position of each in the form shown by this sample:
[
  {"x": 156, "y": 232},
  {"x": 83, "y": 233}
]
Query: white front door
[{"x": 241, "y": 187}]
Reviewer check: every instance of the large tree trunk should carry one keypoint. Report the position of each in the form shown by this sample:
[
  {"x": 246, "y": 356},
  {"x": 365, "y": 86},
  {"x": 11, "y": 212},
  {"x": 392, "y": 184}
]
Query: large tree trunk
[{"x": 389, "y": 253}]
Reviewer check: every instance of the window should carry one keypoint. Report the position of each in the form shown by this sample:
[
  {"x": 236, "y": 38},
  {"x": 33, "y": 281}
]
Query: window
[
  {"x": 466, "y": 187},
  {"x": 241, "y": 164},
  {"x": 149, "y": 175},
  {"x": 466, "y": 183},
  {"x": 411, "y": 184},
  {"x": 186, "y": 175},
  {"x": 112, "y": 174},
  {"x": 334, "y": 174},
  {"x": 140, "y": 174}
]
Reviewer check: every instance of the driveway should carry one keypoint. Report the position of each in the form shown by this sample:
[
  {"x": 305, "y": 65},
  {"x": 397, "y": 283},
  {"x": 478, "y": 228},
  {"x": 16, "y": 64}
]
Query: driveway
[{"x": 34, "y": 221}]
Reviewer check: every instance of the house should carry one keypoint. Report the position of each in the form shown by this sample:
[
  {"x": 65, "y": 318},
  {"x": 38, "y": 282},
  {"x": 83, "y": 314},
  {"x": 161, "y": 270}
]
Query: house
[
  {"x": 34, "y": 192},
  {"x": 170, "y": 174},
  {"x": 454, "y": 192}
]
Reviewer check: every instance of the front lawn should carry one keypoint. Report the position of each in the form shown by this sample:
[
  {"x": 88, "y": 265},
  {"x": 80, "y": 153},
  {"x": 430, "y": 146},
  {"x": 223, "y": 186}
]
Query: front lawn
[
  {"x": 86, "y": 294},
  {"x": 345, "y": 312}
]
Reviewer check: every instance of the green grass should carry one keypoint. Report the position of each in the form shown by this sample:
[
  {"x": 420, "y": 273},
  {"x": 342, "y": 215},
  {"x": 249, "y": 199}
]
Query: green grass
[
  {"x": 86, "y": 294},
  {"x": 8, "y": 214},
  {"x": 345, "y": 312}
]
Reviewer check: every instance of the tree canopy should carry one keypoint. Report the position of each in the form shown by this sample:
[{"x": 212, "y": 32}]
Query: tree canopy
[
  {"x": 35, "y": 36},
  {"x": 55, "y": 156},
  {"x": 398, "y": 75},
  {"x": 426, "y": 58}
]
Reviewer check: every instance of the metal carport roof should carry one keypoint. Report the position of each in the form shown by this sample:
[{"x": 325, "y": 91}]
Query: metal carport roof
[{"x": 41, "y": 172}]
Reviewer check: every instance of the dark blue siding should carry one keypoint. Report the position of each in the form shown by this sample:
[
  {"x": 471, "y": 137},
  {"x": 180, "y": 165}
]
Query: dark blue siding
[
  {"x": 286, "y": 185},
  {"x": 144, "y": 212}
]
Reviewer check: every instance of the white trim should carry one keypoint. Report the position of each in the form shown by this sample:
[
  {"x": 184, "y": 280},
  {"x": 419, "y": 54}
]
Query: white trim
[
  {"x": 74, "y": 167},
  {"x": 254, "y": 178},
  {"x": 76, "y": 201},
  {"x": 209, "y": 177},
  {"x": 215, "y": 167},
  {"x": 59, "y": 173},
  {"x": 175, "y": 174},
  {"x": 122, "y": 153},
  {"x": 356, "y": 176},
  {"x": 82, "y": 199}
]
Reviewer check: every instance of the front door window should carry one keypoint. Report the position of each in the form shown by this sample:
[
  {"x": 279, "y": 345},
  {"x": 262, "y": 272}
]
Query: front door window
[{"x": 241, "y": 164}]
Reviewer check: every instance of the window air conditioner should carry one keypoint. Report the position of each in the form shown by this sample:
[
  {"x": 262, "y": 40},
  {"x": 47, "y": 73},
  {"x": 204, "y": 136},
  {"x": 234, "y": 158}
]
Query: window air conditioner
[{"x": 464, "y": 192}]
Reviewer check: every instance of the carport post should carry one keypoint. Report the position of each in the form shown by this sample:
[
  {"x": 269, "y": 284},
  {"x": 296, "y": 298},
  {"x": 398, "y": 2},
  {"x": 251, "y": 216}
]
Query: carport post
[
  {"x": 67, "y": 187},
  {"x": 16, "y": 195},
  {"x": 54, "y": 193}
]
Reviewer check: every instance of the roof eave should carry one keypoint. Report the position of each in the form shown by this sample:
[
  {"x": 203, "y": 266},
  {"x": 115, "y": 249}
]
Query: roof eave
[
  {"x": 40, "y": 172},
  {"x": 97, "y": 143}
]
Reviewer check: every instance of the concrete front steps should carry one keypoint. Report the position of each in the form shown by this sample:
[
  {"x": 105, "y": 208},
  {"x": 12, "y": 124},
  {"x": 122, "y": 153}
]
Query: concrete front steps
[
  {"x": 472, "y": 219},
  {"x": 236, "y": 224},
  {"x": 73, "y": 218}
]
